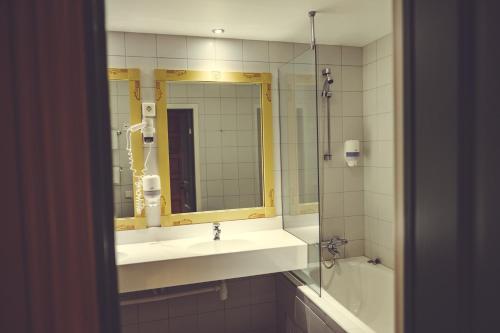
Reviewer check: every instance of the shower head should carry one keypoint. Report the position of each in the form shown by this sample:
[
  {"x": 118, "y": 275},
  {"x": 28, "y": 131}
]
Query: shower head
[{"x": 326, "y": 72}]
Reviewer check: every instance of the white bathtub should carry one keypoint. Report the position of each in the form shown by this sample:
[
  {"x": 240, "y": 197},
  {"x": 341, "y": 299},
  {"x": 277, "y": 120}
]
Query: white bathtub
[{"x": 357, "y": 295}]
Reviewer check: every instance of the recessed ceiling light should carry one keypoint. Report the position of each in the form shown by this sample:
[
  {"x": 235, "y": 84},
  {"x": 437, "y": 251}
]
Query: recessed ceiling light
[{"x": 218, "y": 31}]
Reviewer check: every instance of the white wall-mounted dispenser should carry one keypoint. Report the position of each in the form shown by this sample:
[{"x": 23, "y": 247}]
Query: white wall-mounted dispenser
[
  {"x": 151, "y": 187},
  {"x": 351, "y": 152},
  {"x": 147, "y": 186}
]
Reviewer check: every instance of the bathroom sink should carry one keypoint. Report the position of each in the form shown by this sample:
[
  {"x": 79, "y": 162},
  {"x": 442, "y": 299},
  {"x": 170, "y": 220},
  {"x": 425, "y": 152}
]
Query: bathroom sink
[
  {"x": 158, "y": 263},
  {"x": 221, "y": 245}
]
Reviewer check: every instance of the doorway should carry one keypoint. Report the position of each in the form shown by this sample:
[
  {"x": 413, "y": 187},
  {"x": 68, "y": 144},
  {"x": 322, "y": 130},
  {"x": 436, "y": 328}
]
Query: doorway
[{"x": 181, "y": 136}]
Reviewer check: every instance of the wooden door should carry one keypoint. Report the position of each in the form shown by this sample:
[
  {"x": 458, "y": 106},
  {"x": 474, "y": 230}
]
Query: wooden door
[{"x": 182, "y": 168}]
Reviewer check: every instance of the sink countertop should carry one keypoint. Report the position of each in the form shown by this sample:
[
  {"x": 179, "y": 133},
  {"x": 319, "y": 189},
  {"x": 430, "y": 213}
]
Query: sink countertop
[
  {"x": 137, "y": 253},
  {"x": 164, "y": 257}
]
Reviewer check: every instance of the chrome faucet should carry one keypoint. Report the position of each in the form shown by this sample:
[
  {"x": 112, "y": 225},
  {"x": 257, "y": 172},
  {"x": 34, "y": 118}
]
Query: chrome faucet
[
  {"x": 217, "y": 230},
  {"x": 333, "y": 244}
]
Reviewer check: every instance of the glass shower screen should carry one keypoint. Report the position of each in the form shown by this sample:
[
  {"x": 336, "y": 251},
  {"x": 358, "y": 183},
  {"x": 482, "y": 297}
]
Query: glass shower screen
[{"x": 299, "y": 158}]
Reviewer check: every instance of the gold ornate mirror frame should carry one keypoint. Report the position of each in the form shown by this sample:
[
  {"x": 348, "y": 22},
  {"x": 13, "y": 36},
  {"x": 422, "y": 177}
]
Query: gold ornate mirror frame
[
  {"x": 132, "y": 75},
  {"x": 163, "y": 76}
]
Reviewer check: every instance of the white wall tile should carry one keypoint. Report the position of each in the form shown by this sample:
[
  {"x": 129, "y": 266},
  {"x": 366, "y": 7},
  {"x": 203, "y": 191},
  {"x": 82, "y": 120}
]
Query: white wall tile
[
  {"x": 353, "y": 179},
  {"x": 115, "y": 43},
  {"x": 329, "y": 54},
  {"x": 300, "y": 48},
  {"x": 370, "y": 53},
  {"x": 385, "y": 99},
  {"x": 169, "y": 46},
  {"x": 384, "y": 46},
  {"x": 385, "y": 124},
  {"x": 255, "y": 66},
  {"x": 228, "y": 49},
  {"x": 354, "y": 248},
  {"x": 147, "y": 67},
  {"x": 352, "y": 56},
  {"x": 280, "y": 52},
  {"x": 201, "y": 64},
  {"x": 333, "y": 205},
  {"x": 255, "y": 50},
  {"x": 200, "y": 48},
  {"x": 169, "y": 63},
  {"x": 352, "y": 128},
  {"x": 353, "y": 203},
  {"x": 333, "y": 180},
  {"x": 370, "y": 102},
  {"x": 370, "y": 76},
  {"x": 116, "y": 62},
  {"x": 352, "y": 103},
  {"x": 352, "y": 78},
  {"x": 384, "y": 71},
  {"x": 228, "y": 66},
  {"x": 386, "y": 208},
  {"x": 354, "y": 227},
  {"x": 140, "y": 45}
]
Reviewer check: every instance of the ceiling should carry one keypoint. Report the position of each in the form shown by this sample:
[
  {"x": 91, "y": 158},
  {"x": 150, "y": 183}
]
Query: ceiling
[{"x": 339, "y": 22}]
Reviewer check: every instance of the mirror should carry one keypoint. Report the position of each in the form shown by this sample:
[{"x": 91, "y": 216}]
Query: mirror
[
  {"x": 214, "y": 134},
  {"x": 122, "y": 176},
  {"x": 215, "y": 145},
  {"x": 124, "y": 108}
]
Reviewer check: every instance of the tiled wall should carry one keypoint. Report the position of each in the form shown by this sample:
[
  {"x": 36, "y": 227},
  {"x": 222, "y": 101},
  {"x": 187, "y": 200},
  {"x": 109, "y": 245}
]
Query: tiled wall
[
  {"x": 229, "y": 140},
  {"x": 120, "y": 116},
  {"x": 150, "y": 51},
  {"x": 343, "y": 202},
  {"x": 250, "y": 308},
  {"x": 378, "y": 126},
  {"x": 357, "y": 202}
]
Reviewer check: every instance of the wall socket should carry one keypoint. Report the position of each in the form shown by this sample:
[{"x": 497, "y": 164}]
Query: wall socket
[{"x": 148, "y": 109}]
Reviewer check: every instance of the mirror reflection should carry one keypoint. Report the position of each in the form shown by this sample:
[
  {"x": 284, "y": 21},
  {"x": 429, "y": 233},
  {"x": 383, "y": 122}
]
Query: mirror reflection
[
  {"x": 214, "y": 133},
  {"x": 122, "y": 176}
]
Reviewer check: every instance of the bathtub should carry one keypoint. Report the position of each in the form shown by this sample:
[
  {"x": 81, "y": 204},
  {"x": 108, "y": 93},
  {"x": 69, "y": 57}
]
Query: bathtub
[{"x": 356, "y": 295}]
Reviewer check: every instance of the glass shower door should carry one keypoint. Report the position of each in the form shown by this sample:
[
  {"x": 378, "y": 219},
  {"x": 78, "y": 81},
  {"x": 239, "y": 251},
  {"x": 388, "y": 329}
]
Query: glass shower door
[{"x": 299, "y": 158}]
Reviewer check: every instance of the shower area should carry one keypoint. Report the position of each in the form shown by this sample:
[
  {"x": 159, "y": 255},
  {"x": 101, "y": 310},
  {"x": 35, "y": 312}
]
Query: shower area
[{"x": 337, "y": 177}]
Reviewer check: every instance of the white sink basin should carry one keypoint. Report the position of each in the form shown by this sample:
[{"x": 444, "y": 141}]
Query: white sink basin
[
  {"x": 165, "y": 263},
  {"x": 223, "y": 245}
]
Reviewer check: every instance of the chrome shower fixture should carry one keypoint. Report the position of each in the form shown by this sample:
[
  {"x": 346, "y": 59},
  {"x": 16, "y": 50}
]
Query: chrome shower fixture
[
  {"x": 327, "y": 73},
  {"x": 326, "y": 93},
  {"x": 311, "y": 14}
]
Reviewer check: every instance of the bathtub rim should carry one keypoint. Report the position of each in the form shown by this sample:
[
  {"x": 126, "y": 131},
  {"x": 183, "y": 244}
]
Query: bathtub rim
[{"x": 334, "y": 309}]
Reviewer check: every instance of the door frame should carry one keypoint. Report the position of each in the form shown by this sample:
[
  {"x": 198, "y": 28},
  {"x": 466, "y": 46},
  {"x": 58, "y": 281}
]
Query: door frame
[{"x": 196, "y": 129}]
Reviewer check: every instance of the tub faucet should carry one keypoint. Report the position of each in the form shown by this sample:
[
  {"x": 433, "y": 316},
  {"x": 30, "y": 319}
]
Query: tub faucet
[
  {"x": 375, "y": 261},
  {"x": 217, "y": 230}
]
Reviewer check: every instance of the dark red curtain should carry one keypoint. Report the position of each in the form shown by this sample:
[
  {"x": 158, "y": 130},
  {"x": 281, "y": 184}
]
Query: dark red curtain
[{"x": 56, "y": 243}]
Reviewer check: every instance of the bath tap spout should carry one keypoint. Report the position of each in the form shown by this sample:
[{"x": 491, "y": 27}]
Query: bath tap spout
[{"x": 375, "y": 261}]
